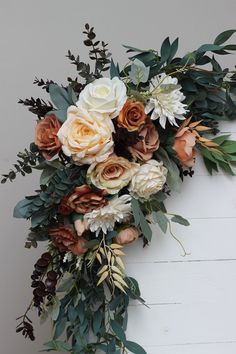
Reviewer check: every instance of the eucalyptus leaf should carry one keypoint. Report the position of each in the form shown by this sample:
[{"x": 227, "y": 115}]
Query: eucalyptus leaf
[
  {"x": 160, "y": 218},
  {"x": 180, "y": 220},
  {"x": 139, "y": 72},
  {"x": 134, "y": 348}
]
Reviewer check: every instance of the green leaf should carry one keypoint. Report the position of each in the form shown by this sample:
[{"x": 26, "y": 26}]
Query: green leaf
[
  {"x": 134, "y": 347},
  {"x": 57, "y": 346},
  {"x": 97, "y": 321},
  {"x": 21, "y": 209},
  {"x": 173, "y": 49},
  {"x": 66, "y": 284},
  {"x": 136, "y": 211},
  {"x": 139, "y": 72},
  {"x": 165, "y": 50},
  {"x": 208, "y": 48},
  {"x": 60, "y": 327},
  {"x": 220, "y": 139},
  {"x": 118, "y": 330},
  {"x": 145, "y": 227},
  {"x": 224, "y": 36},
  {"x": 180, "y": 220},
  {"x": 114, "y": 70},
  {"x": 173, "y": 177},
  {"x": 160, "y": 218},
  {"x": 59, "y": 96},
  {"x": 61, "y": 114},
  {"x": 47, "y": 174}
]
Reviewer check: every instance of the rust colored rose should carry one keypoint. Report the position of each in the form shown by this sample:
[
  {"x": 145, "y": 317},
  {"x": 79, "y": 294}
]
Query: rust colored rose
[
  {"x": 84, "y": 199},
  {"x": 132, "y": 116},
  {"x": 126, "y": 236},
  {"x": 64, "y": 208},
  {"x": 184, "y": 144},
  {"x": 46, "y": 136},
  {"x": 65, "y": 239},
  {"x": 150, "y": 142}
]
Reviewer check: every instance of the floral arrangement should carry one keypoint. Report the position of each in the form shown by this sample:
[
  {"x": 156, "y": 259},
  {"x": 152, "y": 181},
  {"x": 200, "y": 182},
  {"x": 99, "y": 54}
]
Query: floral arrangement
[{"x": 110, "y": 149}]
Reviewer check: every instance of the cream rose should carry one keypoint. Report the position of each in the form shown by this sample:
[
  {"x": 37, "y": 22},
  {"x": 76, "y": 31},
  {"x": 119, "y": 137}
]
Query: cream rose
[
  {"x": 148, "y": 180},
  {"x": 86, "y": 136},
  {"x": 113, "y": 174},
  {"x": 103, "y": 95}
]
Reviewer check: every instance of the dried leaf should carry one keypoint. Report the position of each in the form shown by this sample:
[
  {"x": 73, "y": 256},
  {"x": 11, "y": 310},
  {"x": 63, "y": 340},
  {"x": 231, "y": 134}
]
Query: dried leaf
[
  {"x": 99, "y": 258},
  {"x": 103, "y": 269},
  {"x": 119, "y": 279},
  {"x": 119, "y": 253},
  {"x": 115, "y": 246},
  {"x": 116, "y": 269},
  {"x": 119, "y": 286},
  {"x": 120, "y": 262},
  {"x": 103, "y": 277},
  {"x": 194, "y": 124}
]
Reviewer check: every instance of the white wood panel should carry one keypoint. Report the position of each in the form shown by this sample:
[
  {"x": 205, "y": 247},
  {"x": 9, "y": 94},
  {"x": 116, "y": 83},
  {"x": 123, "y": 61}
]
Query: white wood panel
[
  {"x": 186, "y": 283},
  {"x": 182, "y": 323},
  {"x": 199, "y": 348},
  {"x": 206, "y": 240}
]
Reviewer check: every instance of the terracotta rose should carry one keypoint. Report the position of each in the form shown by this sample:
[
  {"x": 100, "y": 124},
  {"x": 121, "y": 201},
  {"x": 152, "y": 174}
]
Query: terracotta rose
[
  {"x": 184, "y": 144},
  {"x": 132, "y": 116},
  {"x": 126, "y": 236},
  {"x": 64, "y": 207},
  {"x": 84, "y": 199},
  {"x": 150, "y": 142},
  {"x": 46, "y": 136},
  {"x": 65, "y": 239}
]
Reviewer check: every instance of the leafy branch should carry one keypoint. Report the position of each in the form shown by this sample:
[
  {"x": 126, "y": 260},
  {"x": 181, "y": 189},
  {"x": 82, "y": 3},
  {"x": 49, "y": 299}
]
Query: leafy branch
[
  {"x": 37, "y": 106},
  {"x": 27, "y": 160}
]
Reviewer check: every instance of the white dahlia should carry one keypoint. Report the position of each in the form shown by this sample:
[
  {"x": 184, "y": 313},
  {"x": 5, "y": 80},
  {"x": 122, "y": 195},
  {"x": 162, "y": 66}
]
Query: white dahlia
[
  {"x": 104, "y": 219},
  {"x": 166, "y": 100}
]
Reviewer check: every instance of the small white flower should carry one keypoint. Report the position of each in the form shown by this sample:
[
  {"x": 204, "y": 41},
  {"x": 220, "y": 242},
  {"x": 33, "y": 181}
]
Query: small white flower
[
  {"x": 78, "y": 263},
  {"x": 149, "y": 180},
  {"x": 166, "y": 100},
  {"x": 103, "y": 95},
  {"x": 67, "y": 257},
  {"x": 104, "y": 219}
]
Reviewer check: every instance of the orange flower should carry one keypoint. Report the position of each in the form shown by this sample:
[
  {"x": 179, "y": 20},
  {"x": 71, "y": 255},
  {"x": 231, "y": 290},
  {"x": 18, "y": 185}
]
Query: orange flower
[
  {"x": 84, "y": 200},
  {"x": 65, "y": 239},
  {"x": 127, "y": 236},
  {"x": 46, "y": 136},
  {"x": 132, "y": 115},
  {"x": 184, "y": 144},
  {"x": 150, "y": 142}
]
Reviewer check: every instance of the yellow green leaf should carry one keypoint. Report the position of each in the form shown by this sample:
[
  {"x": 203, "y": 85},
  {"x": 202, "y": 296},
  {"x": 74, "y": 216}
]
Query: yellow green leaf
[{"x": 103, "y": 277}]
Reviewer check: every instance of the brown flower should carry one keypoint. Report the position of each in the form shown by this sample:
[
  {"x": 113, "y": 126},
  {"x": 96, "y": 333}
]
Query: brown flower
[
  {"x": 84, "y": 199},
  {"x": 126, "y": 236},
  {"x": 184, "y": 144},
  {"x": 132, "y": 115},
  {"x": 65, "y": 239},
  {"x": 149, "y": 143},
  {"x": 64, "y": 208},
  {"x": 46, "y": 136}
]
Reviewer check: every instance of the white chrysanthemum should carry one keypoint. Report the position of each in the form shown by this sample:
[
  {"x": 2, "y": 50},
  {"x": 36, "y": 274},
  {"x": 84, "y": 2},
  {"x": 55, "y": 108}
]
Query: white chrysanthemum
[
  {"x": 104, "y": 219},
  {"x": 166, "y": 100}
]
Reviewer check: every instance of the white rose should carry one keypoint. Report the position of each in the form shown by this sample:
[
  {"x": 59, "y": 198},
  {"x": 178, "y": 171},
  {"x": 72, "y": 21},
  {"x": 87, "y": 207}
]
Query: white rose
[
  {"x": 86, "y": 136},
  {"x": 148, "y": 180},
  {"x": 104, "y": 96}
]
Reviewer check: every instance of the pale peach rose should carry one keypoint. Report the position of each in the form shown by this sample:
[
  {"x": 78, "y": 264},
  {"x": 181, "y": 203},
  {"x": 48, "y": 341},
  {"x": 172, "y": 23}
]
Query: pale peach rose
[
  {"x": 113, "y": 174},
  {"x": 126, "y": 236},
  {"x": 80, "y": 226},
  {"x": 84, "y": 199},
  {"x": 46, "y": 137},
  {"x": 65, "y": 239},
  {"x": 132, "y": 115},
  {"x": 184, "y": 144},
  {"x": 150, "y": 142}
]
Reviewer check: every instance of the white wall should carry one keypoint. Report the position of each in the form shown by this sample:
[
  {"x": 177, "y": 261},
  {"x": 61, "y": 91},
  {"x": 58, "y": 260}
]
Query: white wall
[{"x": 192, "y": 300}]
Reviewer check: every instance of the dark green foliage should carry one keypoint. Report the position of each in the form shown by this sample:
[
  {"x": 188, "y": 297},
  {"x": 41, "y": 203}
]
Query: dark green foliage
[
  {"x": 42, "y": 207},
  {"x": 26, "y": 161},
  {"x": 37, "y": 106}
]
